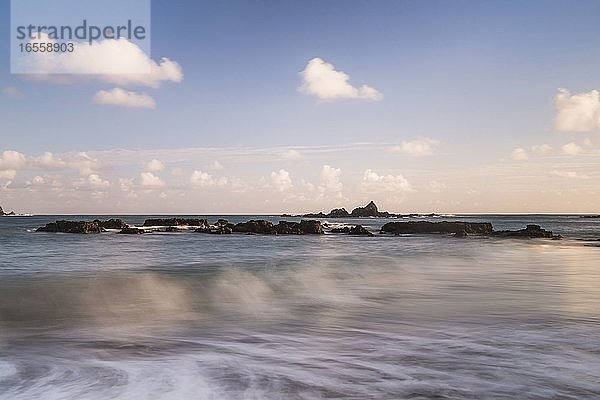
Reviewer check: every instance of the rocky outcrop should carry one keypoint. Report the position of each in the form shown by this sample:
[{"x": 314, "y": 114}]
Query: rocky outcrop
[
  {"x": 423, "y": 227},
  {"x": 531, "y": 232},
  {"x": 80, "y": 227},
  {"x": 112, "y": 224},
  {"x": 357, "y": 230},
  {"x": 132, "y": 231},
  {"x": 177, "y": 222},
  {"x": 1, "y": 211},
  {"x": 263, "y": 227},
  {"x": 222, "y": 227},
  {"x": 370, "y": 210}
]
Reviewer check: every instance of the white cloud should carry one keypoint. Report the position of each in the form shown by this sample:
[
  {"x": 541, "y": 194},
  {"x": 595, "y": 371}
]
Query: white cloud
[
  {"x": 331, "y": 178},
  {"x": 97, "y": 182},
  {"x": 12, "y": 92},
  {"x": 569, "y": 174},
  {"x": 116, "y": 61},
  {"x": 579, "y": 112},
  {"x": 151, "y": 180},
  {"x": 11, "y": 159},
  {"x": 542, "y": 149},
  {"x": 48, "y": 160},
  {"x": 204, "y": 179},
  {"x": 291, "y": 154},
  {"x": 571, "y": 149},
  {"x": 519, "y": 154},
  {"x": 385, "y": 183},
  {"x": 155, "y": 165},
  {"x": 417, "y": 147},
  {"x": 436, "y": 187},
  {"x": 281, "y": 180},
  {"x": 321, "y": 79},
  {"x": 8, "y": 174},
  {"x": 124, "y": 98},
  {"x": 216, "y": 166}
]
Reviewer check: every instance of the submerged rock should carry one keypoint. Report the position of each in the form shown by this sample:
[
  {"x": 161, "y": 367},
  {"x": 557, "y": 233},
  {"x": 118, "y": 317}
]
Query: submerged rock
[
  {"x": 132, "y": 231},
  {"x": 422, "y": 227},
  {"x": 531, "y": 232},
  {"x": 176, "y": 222},
  {"x": 357, "y": 230},
  {"x": 80, "y": 227}
]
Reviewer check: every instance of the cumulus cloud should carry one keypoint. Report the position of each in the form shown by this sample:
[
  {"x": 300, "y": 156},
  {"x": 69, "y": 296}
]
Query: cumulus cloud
[
  {"x": 571, "y": 149},
  {"x": 13, "y": 160},
  {"x": 8, "y": 174},
  {"x": 416, "y": 147},
  {"x": 519, "y": 154},
  {"x": 569, "y": 174},
  {"x": 542, "y": 149},
  {"x": 204, "y": 179},
  {"x": 216, "y": 166},
  {"x": 281, "y": 180},
  {"x": 97, "y": 182},
  {"x": 385, "y": 183},
  {"x": 155, "y": 165},
  {"x": 115, "y": 61},
  {"x": 578, "y": 112},
  {"x": 331, "y": 178},
  {"x": 150, "y": 180},
  {"x": 123, "y": 98},
  {"x": 291, "y": 154},
  {"x": 322, "y": 80}
]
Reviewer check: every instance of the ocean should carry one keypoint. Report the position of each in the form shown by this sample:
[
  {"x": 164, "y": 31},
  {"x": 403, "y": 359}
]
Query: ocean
[{"x": 194, "y": 316}]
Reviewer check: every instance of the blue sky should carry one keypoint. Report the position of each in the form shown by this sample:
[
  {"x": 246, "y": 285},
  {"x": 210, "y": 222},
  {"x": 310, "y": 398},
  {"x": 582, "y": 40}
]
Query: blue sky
[{"x": 478, "y": 78}]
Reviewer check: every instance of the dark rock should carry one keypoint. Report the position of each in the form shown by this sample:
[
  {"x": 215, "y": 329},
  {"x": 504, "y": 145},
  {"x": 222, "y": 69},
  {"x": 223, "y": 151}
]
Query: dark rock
[
  {"x": 172, "y": 229},
  {"x": 422, "y": 227},
  {"x": 260, "y": 227},
  {"x": 80, "y": 227},
  {"x": 132, "y": 231},
  {"x": 176, "y": 222},
  {"x": 370, "y": 210},
  {"x": 359, "y": 230},
  {"x": 345, "y": 230},
  {"x": 222, "y": 227},
  {"x": 112, "y": 224},
  {"x": 317, "y": 215},
  {"x": 1, "y": 211},
  {"x": 12, "y": 213},
  {"x": 531, "y": 232},
  {"x": 583, "y": 216},
  {"x": 461, "y": 234},
  {"x": 338, "y": 213},
  {"x": 299, "y": 228}
]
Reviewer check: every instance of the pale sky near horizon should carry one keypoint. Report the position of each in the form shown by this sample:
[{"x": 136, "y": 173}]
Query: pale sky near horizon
[{"x": 299, "y": 106}]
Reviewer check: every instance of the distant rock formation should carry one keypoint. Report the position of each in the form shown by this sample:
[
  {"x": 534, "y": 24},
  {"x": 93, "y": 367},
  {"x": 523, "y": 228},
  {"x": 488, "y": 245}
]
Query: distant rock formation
[
  {"x": 583, "y": 216},
  {"x": 2, "y": 213},
  {"x": 112, "y": 224},
  {"x": 368, "y": 211}
]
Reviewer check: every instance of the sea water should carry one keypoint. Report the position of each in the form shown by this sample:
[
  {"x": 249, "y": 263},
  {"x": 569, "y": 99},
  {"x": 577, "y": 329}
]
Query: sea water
[{"x": 195, "y": 316}]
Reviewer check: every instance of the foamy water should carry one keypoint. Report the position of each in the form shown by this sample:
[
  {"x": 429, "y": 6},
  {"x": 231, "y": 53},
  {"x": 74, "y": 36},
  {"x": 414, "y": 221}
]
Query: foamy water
[{"x": 192, "y": 316}]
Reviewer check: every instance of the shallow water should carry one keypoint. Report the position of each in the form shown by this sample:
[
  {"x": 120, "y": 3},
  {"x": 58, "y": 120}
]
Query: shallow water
[{"x": 192, "y": 316}]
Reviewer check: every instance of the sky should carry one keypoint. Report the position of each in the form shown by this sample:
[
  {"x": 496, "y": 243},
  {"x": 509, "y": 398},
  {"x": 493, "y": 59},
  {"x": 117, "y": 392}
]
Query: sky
[{"x": 301, "y": 106}]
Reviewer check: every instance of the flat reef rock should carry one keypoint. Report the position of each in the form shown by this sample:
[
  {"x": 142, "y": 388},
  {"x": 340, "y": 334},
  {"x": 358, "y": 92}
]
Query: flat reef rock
[
  {"x": 423, "y": 227},
  {"x": 81, "y": 227},
  {"x": 263, "y": 227},
  {"x": 531, "y": 232},
  {"x": 357, "y": 230},
  {"x": 176, "y": 222}
]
